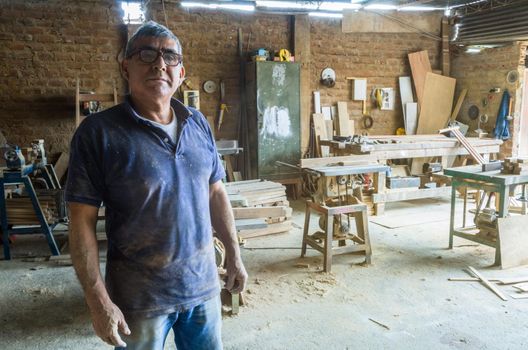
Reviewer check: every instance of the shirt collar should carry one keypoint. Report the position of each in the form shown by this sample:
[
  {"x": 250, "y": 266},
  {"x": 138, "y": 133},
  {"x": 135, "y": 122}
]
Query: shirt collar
[{"x": 181, "y": 111}]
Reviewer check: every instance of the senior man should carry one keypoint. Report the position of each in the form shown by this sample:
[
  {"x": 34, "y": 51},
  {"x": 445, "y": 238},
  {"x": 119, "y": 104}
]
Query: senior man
[{"x": 153, "y": 163}]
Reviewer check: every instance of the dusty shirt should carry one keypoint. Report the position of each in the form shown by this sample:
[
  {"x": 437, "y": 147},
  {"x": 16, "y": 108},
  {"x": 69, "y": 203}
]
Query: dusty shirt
[{"x": 156, "y": 192}]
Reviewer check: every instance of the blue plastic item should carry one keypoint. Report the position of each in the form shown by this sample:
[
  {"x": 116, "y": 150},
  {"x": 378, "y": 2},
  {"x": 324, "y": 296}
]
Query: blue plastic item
[{"x": 502, "y": 125}]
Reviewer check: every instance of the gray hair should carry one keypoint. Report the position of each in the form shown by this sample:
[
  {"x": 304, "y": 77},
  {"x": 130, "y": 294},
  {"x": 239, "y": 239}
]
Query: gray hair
[{"x": 151, "y": 29}]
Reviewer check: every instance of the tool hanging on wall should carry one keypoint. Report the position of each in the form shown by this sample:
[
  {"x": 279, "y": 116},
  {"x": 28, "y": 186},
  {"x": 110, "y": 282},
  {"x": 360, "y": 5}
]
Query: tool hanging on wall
[
  {"x": 503, "y": 117},
  {"x": 223, "y": 106},
  {"x": 284, "y": 55},
  {"x": 328, "y": 77}
]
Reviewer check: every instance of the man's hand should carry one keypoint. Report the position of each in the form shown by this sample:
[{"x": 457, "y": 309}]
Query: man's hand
[
  {"x": 108, "y": 321},
  {"x": 236, "y": 276}
]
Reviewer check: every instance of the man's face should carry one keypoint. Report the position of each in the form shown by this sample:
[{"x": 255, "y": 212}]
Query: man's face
[{"x": 155, "y": 80}]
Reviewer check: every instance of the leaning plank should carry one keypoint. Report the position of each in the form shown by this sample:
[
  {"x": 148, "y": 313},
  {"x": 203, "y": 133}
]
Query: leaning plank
[
  {"x": 320, "y": 134},
  {"x": 61, "y": 165},
  {"x": 461, "y": 98},
  {"x": 437, "y": 103},
  {"x": 487, "y": 283},
  {"x": 513, "y": 241},
  {"x": 343, "y": 122},
  {"x": 420, "y": 66}
]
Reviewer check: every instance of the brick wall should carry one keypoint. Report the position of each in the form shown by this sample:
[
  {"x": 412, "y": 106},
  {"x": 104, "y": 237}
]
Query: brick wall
[
  {"x": 381, "y": 58},
  {"x": 483, "y": 71},
  {"x": 210, "y": 48},
  {"x": 45, "y": 46}
]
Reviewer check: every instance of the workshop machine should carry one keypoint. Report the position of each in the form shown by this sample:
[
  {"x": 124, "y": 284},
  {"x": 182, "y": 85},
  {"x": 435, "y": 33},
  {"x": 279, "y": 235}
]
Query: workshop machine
[{"x": 31, "y": 198}]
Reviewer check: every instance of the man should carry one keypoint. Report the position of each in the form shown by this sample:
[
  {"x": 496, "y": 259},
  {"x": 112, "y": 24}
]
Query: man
[{"x": 153, "y": 163}]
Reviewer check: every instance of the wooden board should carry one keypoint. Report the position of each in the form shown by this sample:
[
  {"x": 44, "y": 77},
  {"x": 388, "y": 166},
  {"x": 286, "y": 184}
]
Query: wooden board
[
  {"x": 271, "y": 229},
  {"x": 320, "y": 134},
  {"x": 343, "y": 124},
  {"x": 435, "y": 110},
  {"x": 411, "y": 118},
  {"x": 420, "y": 66},
  {"x": 261, "y": 212},
  {"x": 61, "y": 165},
  {"x": 513, "y": 240},
  {"x": 460, "y": 99},
  {"x": 329, "y": 128},
  {"x": 406, "y": 96},
  {"x": 250, "y": 224}
]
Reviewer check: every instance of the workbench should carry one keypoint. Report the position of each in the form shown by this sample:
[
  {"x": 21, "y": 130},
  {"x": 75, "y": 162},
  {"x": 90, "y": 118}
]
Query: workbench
[
  {"x": 491, "y": 181},
  {"x": 390, "y": 147}
]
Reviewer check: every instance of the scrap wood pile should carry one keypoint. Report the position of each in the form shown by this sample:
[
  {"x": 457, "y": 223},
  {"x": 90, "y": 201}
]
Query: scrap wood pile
[
  {"x": 520, "y": 284},
  {"x": 517, "y": 166},
  {"x": 260, "y": 207}
]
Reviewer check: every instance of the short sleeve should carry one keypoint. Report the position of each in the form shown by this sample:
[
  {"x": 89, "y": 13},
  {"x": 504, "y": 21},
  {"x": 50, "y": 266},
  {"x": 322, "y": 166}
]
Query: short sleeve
[
  {"x": 217, "y": 172},
  {"x": 85, "y": 183}
]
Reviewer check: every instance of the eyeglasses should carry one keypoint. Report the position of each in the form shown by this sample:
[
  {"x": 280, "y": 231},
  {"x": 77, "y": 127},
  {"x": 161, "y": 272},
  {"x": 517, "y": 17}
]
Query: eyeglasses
[{"x": 150, "y": 56}]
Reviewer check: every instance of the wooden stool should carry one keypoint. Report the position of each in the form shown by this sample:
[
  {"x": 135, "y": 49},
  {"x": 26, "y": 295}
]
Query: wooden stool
[{"x": 361, "y": 240}]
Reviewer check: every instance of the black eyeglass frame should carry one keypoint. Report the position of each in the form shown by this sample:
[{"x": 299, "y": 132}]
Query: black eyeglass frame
[{"x": 159, "y": 53}]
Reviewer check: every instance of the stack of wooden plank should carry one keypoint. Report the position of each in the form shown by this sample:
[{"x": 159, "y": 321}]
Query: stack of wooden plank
[
  {"x": 20, "y": 210},
  {"x": 260, "y": 207},
  {"x": 517, "y": 166}
]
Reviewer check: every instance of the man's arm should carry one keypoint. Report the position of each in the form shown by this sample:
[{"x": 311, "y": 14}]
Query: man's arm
[
  {"x": 224, "y": 225},
  {"x": 107, "y": 319}
]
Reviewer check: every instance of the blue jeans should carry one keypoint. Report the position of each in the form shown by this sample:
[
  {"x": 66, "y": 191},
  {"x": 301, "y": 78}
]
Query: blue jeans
[{"x": 198, "y": 328}]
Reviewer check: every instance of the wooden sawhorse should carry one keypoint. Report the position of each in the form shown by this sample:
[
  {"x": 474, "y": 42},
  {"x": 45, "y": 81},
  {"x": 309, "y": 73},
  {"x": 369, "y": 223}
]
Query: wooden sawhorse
[{"x": 361, "y": 240}]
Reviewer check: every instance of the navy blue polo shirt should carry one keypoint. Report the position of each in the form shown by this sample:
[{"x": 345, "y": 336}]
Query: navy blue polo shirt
[{"x": 156, "y": 192}]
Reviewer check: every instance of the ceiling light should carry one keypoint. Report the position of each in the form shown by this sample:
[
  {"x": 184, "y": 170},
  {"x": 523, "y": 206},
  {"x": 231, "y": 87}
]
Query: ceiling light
[
  {"x": 380, "y": 7},
  {"x": 198, "y": 4},
  {"x": 286, "y": 4},
  {"x": 338, "y": 6},
  {"x": 237, "y": 7},
  {"x": 325, "y": 14},
  {"x": 420, "y": 8},
  {"x": 218, "y": 6},
  {"x": 473, "y": 50}
]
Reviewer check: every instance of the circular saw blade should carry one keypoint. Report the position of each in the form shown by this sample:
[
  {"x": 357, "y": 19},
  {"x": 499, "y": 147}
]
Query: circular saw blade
[{"x": 209, "y": 86}]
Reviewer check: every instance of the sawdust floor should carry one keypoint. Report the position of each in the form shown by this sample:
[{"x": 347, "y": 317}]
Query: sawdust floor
[{"x": 402, "y": 301}]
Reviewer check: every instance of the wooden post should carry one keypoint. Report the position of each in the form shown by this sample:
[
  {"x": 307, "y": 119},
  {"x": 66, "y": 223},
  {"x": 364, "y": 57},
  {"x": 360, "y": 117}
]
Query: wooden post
[{"x": 302, "y": 55}]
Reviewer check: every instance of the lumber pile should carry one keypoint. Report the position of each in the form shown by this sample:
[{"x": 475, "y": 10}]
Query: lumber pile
[
  {"x": 20, "y": 210},
  {"x": 260, "y": 207},
  {"x": 516, "y": 166}
]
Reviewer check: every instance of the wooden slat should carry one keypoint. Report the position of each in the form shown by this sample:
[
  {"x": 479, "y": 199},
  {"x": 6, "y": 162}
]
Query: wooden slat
[
  {"x": 271, "y": 229},
  {"x": 343, "y": 121},
  {"x": 320, "y": 134},
  {"x": 487, "y": 283},
  {"x": 460, "y": 99},
  {"x": 261, "y": 212},
  {"x": 61, "y": 165}
]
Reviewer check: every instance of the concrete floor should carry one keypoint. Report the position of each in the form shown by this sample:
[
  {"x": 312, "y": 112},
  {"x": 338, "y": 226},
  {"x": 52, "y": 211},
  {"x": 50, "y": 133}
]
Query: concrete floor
[{"x": 288, "y": 307}]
